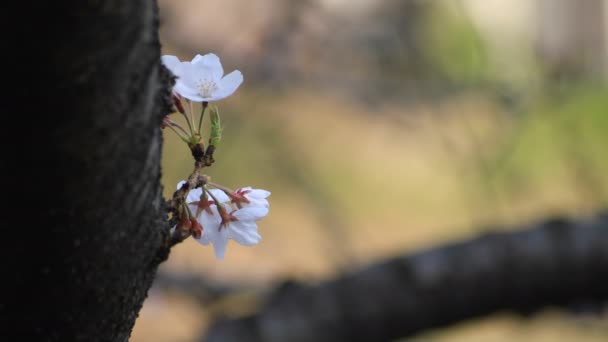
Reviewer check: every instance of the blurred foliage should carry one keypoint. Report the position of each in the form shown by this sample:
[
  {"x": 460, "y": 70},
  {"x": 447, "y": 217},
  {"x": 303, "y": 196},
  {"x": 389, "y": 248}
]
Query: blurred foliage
[
  {"x": 560, "y": 142},
  {"x": 454, "y": 45}
]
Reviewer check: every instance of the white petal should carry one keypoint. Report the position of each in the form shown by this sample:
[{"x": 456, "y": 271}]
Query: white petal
[
  {"x": 191, "y": 93},
  {"x": 250, "y": 213},
  {"x": 190, "y": 76},
  {"x": 220, "y": 242},
  {"x": 245, "y": 233},
  {"x": 210, "y": 223},
  {"x": 210, "y": 235},
  {"x": 193, "y": 208},
  {"x": 256, "y": 202},
  {"x": 220, "y": 195},
  {"x": 196, "y": 58},
  {"x": 210, "y": 232},
  {"x": 258, "y": 193},
  {"x": 212, "y": 220},
  {"x": 211, "y": 61},
  {"x": 204, "y": 239},
  {"x": 228, "y": 85},
  {"x": 194, "y": 195},
  {"x": 180, "y": 184},
  {"x": 203, "y": 73},
  {"x": 172, "y": 63}
]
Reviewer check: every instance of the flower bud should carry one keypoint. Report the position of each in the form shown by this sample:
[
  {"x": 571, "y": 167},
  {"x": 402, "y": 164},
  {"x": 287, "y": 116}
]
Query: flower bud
[
  {"x": 216, "y": 127},
  {"x": 178, "y": 104},
  {"x": 197, "y": 229}
]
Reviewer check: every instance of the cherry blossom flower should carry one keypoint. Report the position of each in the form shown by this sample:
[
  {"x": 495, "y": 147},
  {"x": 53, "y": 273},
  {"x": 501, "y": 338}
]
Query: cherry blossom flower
[
  {"x": 247, "y": 196},
  {"x": 202, "y": 79},
  {"x": 222, "y": 223},
  {"x": 238, "y": 225}
]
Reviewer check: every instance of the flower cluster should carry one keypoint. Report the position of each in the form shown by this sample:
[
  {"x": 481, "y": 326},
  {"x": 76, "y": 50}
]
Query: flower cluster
[
  {"x": 225, "y": 214},
  {"x": 208, "y": 212}
]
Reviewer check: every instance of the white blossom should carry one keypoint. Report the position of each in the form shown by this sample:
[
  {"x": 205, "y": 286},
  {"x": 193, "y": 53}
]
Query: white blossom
[
  {"x": 226, "y": 222},
  {"x": 202, "y": 79},
  {"x": 240, "y": 226}
]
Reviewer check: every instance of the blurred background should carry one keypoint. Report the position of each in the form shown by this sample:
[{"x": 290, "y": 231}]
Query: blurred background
[{"x": 387, "y": 127}]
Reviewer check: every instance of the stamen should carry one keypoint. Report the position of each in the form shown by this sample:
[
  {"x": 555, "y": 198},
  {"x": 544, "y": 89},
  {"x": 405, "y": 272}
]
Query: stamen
[{"x": 207, "y": 87}]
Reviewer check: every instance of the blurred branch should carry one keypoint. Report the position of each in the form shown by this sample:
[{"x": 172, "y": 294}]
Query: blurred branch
[
  {"x": 204, "y": 290},
  {"x": 555, "y": 263}
]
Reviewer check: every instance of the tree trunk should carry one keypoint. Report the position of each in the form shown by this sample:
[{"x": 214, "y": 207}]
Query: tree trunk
[
  {"x": 557, "y": 263},
  {"x": 84, "y": 229}
]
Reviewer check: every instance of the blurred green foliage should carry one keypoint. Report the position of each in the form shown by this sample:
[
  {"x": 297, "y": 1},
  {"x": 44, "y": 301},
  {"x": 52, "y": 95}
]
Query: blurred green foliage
[{"x": 453, "y": 44}]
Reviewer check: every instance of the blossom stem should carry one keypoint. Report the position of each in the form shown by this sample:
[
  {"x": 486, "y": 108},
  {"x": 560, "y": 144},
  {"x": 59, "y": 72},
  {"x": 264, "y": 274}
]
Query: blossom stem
[
  {"x": 200, "y": 120},
  {"x": 176, "y": 125},
  {"x": 220, "y": 208},
  {"x": 192, "y": 116},
  {"x": 184, "y": 138},
  {"x": 221, "y": 187},
  {"x": 214, "y": 198},
  {"x": 188, "y": 120},
  {"x": 190, "y": 216}
]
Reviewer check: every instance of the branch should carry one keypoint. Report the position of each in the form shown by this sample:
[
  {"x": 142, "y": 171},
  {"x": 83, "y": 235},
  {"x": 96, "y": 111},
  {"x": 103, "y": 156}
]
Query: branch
[
  {"x": 555, "y": 263},
  {"x": 205, "y": 290}
]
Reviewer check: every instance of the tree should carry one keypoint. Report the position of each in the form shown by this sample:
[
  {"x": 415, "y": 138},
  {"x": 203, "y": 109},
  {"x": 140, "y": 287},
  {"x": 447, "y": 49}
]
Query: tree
[
  {"x": 85, "y": 227},
  {"x": 84, "y": 219}
]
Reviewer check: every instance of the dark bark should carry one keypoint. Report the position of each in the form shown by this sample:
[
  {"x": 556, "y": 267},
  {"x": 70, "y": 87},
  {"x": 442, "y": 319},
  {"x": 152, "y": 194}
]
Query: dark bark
[
  {"x": 84, "y": 229},
  {"x": 556, "y": 263}
]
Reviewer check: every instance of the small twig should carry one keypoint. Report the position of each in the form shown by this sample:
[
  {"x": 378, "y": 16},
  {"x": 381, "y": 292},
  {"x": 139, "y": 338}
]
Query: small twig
[
  {"x": 209, "y": 155},
  {"x": 195, "y": 180},
  {"x": 202, "y": 158}
]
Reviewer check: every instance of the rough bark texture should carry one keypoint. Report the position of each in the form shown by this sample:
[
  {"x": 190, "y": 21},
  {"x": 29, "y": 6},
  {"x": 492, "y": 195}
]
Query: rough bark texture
[
  {"x": 84, "y": 231},
  {"x": 557, "y": 263}
]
